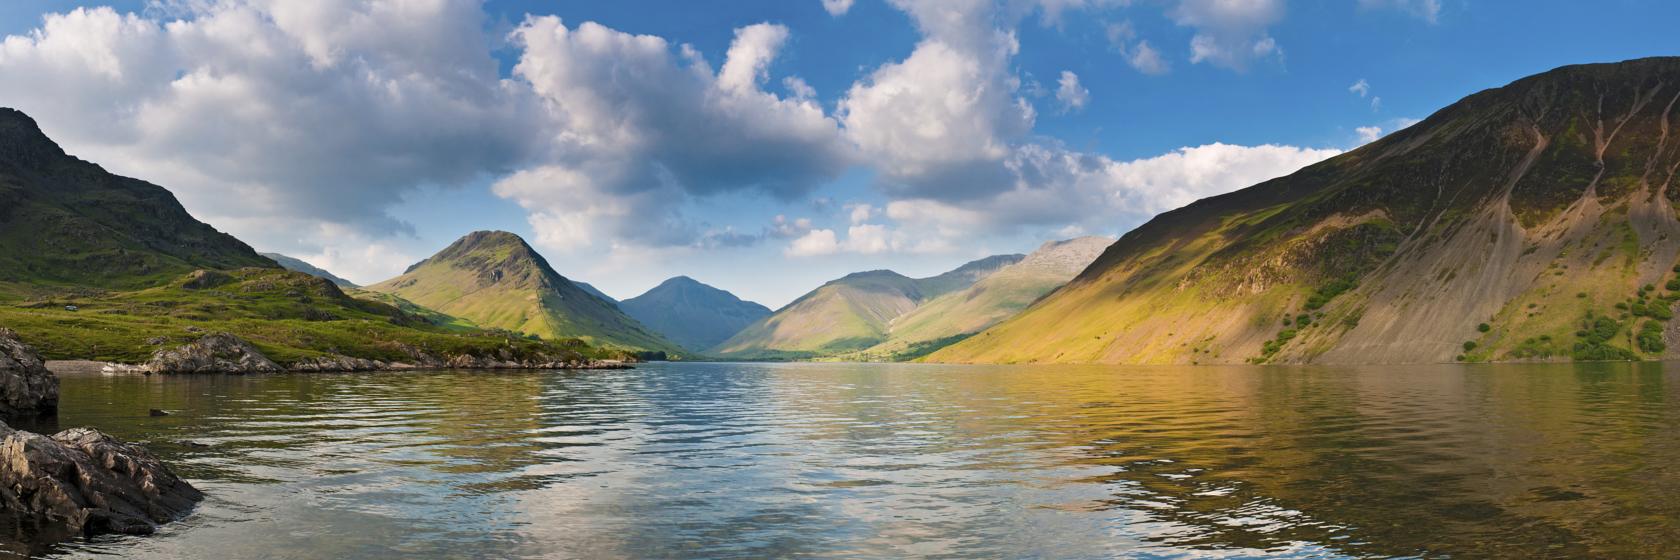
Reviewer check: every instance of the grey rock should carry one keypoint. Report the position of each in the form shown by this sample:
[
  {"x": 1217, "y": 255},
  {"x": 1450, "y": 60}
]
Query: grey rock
[
  {"x": 26, "y": 387},
  {"x": 211, "y": 353},
  {"x": 83, "y": 482}
]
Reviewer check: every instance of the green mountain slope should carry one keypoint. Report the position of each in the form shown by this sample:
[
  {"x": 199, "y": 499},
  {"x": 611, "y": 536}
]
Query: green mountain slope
[
  {"x": 955, "y": 315},
  {"x": 848, "y": 314},
  {"x": 496, "y": 280},
  {"x": 297, "y": 265},
  {"x": 1530, "y": 222},
  {"x": 691, "y": 314},
  {"x": 67, "y": 222}
]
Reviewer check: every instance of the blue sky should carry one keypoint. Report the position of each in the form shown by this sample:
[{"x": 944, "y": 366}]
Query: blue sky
[{"x": 760, "y": 146}]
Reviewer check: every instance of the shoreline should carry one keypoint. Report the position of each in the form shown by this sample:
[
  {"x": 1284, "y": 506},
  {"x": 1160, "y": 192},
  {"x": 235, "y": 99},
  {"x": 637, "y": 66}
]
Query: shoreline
[{"x": 95, "y": 367}]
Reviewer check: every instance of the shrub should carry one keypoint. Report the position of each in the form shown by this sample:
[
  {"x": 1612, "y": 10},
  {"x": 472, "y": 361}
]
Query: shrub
[
  {"x": 1484, "y": 327},
  {"x": 1469, "y": 345}
]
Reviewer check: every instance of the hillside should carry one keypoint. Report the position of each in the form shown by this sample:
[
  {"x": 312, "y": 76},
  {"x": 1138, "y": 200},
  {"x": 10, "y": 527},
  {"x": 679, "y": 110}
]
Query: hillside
[
  {"x": 587, "y": 287},
  {"x": 496, "y": 280},
  {"x": 691, "y": 314},
  {"x": 67, "y": 222},
  {"x": 1534, "y": 221},
  {"x": 849, "y": 314},
  {"x": 289, "y": 316},
  {"x": 951, "y": 317},
  {"x": 298, "y": 265}
]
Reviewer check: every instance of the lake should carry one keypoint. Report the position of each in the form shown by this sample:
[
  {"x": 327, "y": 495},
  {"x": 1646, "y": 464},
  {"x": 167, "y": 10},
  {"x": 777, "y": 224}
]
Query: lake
[{"x": 890, "y": 461}]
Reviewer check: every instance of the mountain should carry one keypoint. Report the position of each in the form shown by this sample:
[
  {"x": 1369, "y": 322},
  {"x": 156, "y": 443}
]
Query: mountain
[
  {"x": 297, "y": 265},
  {"x": 1535, "y": 221},
  {"x": 692, "y": 314},
  {"x": 956, "y": 315},
  {"x": 848, "y": 314},
  {"x": 587, "y": 287},
  {"x": 496, "y": 280},
  {"x": 67, "y": 222}
]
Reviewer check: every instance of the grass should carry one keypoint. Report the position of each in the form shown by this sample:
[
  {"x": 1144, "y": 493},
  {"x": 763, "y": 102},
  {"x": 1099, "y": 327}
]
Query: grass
[{"x": 290, "y": 316}]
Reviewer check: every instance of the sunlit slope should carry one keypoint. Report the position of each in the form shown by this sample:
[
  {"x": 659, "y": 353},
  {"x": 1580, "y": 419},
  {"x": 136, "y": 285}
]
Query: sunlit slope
[
  {"x": 849, "y": 314},
  {"x": 996, "y": 297},
  {"x": 1530, "y": 222},
  {"x": 496, "y": 280}
]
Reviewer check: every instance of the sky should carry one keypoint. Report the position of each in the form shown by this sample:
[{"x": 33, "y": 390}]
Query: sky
[{"x": 763, "y": 147}]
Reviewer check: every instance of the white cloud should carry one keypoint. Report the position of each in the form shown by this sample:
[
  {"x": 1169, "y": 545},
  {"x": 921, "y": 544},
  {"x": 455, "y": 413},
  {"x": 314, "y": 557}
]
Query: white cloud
[
  {"x": 637, "y": 125},
  {"x": 837, "y": 8},
  {"x": 270, "y": 117},
  {"x": 1427, "y": 10},
  {"x": 817, "y": 242},
  {"x": 1368, "y": 134},
  {"x": 941, "y": 122},
  {"x": 1360, "y": 87},
  {"x": 1070, "y": 94},
  {"x": 1146, "y": 59},
  {"x": 1142, "y": 56},
  {"x": 1230, "y": 33},
  {"x": 861, "y": 213}
]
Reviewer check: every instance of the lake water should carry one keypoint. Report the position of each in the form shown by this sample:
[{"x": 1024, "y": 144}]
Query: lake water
[{"x": 892, "y": 461}]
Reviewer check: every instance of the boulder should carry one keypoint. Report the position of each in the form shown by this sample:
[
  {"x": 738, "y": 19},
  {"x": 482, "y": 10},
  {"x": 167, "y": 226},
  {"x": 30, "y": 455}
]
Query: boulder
[
  {"x": 82, "y": 482},
  {"x": 211, "y": 353},
  {"x": 26, "y": 387}
]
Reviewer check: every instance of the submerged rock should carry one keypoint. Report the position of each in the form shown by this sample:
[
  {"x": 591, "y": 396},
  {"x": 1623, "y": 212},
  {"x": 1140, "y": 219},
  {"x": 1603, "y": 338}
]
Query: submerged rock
[
  {"x": 83, "y": 482},
  {"x": 212, "y": 353},
  {"x": 26, "y": 387}
]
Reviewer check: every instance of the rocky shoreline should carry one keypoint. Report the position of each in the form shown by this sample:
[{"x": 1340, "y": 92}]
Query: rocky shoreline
[
  {"x": 226, "y": 353},
  {"x": 77, "y": 482}
]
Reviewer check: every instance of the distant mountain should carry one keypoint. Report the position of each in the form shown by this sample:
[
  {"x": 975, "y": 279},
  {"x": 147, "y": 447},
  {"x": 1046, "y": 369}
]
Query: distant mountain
[
  {"x": 67, "y": 222},
  {"x": 496, "y": 280},
  {"x": 991, "y": 299},
  {"x": 692, "y": 314},
  {"x": 849, "y": 314},
  {"x": 587, "y": 287},
  {"x": 297, "y": 265},
  {"x": 1536, "y": 221}
]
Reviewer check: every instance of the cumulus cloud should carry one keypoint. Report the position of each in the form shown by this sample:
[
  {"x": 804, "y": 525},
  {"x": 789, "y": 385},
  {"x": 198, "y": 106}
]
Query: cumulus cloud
[
  {"x": 1368, "y": 134},
  {"x": 1427, "y": 10},
  {"x": 941, "y": 122},
  {"x": 636, "y": 126},
  {"x": 1062, "y": 190},
  {"x": 1070, "y": 94},
  {"x": 324, "y": 112},
  {"x": 837, "y": 8},
  {"x": 1230, "y": 33}
]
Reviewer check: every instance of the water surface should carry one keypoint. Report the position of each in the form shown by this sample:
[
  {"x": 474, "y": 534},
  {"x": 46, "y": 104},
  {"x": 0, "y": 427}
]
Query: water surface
[{"x": 889, "y": 461}]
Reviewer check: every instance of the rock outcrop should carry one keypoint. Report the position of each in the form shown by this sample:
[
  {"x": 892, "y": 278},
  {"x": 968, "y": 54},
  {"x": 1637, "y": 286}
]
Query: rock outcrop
[
  {"x": 83, "y": 482},
  {"x": 212, "y": 353},
  {"x": 26, "y": 387}
]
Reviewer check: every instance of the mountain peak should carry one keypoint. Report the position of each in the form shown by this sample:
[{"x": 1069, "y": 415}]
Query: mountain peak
[
  {"x": 23, "y": 143},
  {"x": 692, "y": 314}
]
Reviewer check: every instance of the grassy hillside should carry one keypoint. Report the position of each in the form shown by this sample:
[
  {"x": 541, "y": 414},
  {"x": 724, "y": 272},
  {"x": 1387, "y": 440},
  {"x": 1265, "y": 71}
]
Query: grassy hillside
[
  {"x": 849, "y": 314},
  {"x": 1530, "y": 222},
  {"x": 692, "y": 314},
  {"x": 67, "y": 222},
  {"x": 496, "y": 280},
  {"x": 956, "y": 315},
  {"x": 288, "y": 315}
]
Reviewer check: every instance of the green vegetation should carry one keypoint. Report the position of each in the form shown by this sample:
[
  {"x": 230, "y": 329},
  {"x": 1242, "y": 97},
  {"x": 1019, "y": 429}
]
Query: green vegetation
[
  {"x": 854, "y": 315},
  {"x": 1594, "y": 340},
  {"x": 496, "y": 280},
  {"x": 288, "y": 315}
]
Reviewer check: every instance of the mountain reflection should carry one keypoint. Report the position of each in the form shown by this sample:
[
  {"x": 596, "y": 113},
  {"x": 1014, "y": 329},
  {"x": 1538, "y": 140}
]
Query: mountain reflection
[{"x": 849, "y": 460}]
